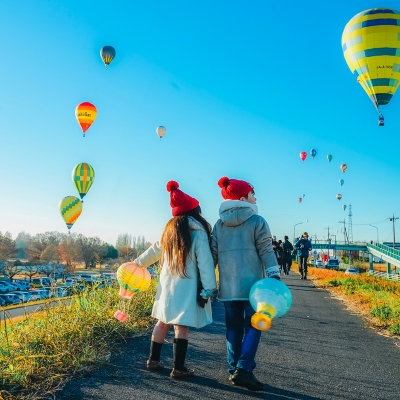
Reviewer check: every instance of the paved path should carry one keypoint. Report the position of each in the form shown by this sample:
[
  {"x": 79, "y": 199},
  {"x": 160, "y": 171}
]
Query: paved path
[{"x": 317, "y": 351}]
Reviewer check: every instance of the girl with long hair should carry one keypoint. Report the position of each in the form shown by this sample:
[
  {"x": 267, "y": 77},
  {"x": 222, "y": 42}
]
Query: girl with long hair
[{"x": 187, "y": 263}]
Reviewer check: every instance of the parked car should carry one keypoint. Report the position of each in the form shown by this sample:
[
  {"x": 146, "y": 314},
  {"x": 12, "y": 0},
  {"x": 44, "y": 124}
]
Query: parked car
[
  {"x": 38, "y": 293},
  {"x": 27, "y": 296},
  {"x": 319, "y": 264},
  {"x": 22, "y": 282},
  {"x": 352, "y": 271},
  {"x": 41, "y": 282},
  {"x": 7, "y": 301},
  {"x": 332, "y": 263},
  {"x": 13, "y": 298},
  {"x": 8, "y": 286},
  {"x": 48, "y": 292},
  {"x": 62, "y": 291}
]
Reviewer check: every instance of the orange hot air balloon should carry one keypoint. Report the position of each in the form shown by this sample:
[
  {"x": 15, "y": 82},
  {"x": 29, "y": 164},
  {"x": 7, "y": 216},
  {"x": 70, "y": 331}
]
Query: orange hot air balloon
[
  {"x": 343, "y": 167},
  {"x": 303, "y": 155},
  {"x": 85, "y": 114},
  {"x": 132, "y": 279}
]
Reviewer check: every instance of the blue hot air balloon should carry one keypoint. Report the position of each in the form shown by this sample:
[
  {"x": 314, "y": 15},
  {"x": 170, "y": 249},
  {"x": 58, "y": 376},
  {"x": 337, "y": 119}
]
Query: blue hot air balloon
[
  {"x": 313, "y": 153},
  {"x": 341, "y": 181}
]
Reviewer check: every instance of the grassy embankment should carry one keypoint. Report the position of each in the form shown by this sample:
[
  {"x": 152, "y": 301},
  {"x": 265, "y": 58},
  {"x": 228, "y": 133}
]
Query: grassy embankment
[
  {"x": 377, "y": 299},
  {"x": 40, "y": 351}
]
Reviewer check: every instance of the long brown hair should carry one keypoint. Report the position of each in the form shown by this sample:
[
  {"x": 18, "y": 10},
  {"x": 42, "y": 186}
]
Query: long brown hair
[{"x": 176, "y": 240}]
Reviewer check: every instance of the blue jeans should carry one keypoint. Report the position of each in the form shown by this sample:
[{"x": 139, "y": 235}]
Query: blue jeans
[{"x": 241, "y": 338}]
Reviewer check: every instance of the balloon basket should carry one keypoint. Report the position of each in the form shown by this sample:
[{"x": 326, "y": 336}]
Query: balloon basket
[
  {"x": 261, "y": 321},
  {"x": 120, "y": 316}
]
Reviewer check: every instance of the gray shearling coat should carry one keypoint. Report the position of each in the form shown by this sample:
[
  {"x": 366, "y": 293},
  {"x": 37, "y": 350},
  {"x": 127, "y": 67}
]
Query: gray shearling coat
[
  {"x": 241, "y": 244},
  {"x": 176, "y": 298}
]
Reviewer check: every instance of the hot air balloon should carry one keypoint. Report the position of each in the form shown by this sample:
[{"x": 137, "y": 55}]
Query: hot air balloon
[
  {"x": 132, "y": 279},
  {"x": 83, "y": 178},
  {"x": 371, "y": 47},
  {"x": 300, "y": 199},
  {"x": 329, "y": 157},
  {"x": 161, "y": 131},
  {"x": 343, "y": 167},
  {"x": 107, "y": 54},
  {"x": 85, "y": 114},
  {"x": 313, "y": 153},
  {"x": 339, "y": 196},
  {"x": 70, "y": 208},
  {"x": 303, "y": 155},
  {"x": 341, "y": 181},
  {"x": 344, "y": 207}
]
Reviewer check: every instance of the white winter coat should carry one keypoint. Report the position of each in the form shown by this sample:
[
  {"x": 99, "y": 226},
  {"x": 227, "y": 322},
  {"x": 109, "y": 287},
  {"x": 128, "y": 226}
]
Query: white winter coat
[{"x": 175, "y": 301}]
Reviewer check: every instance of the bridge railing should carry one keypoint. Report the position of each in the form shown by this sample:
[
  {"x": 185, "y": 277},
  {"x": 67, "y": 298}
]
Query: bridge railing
[{"x": 386, "y": 250}]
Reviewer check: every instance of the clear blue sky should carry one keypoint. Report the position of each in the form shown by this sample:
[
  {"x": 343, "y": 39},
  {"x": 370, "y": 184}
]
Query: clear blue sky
[{"x": 241, "y": 87}]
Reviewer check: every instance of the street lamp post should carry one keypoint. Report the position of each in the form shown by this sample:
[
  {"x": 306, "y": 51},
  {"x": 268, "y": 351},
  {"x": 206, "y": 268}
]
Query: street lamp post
[
  {"x": 335, "y": 243},
  {"x": 294, "y": 230},
  {"x": 377, "y": 232}
]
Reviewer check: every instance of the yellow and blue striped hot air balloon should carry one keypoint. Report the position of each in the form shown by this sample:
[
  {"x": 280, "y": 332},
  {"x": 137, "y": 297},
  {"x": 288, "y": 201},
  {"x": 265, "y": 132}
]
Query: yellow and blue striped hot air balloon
[
  {"x": 371, "y": 47},
  {"x": 107, "y": 54},
  {"x": 70, "y": 208},
  {"x": 83, "y": 178}
]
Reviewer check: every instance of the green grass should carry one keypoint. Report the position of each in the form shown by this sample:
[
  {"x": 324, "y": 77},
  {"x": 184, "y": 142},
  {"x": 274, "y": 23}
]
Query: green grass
[{"x": 39, "y": 352}]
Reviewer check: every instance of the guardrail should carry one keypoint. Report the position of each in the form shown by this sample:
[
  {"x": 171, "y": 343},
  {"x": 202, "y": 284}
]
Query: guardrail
[{"x": 392, "y": 277}]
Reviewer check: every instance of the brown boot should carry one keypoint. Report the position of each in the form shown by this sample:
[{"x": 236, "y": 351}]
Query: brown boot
[
  {"x": 154, "y": 365},
  {"x": 176, "y": 374}
]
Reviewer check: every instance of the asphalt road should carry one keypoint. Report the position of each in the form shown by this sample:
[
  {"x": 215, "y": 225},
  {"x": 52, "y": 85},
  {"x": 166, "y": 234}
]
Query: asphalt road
[{"x": 317, "y": 351}]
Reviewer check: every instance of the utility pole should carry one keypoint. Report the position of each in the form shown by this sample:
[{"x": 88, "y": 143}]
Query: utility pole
[
  {"x": 350, "y": 232},
  {"x": 344, "y": 230},
  {"x": 329, "y": 241},
  {"x": 393, "y": 219}
]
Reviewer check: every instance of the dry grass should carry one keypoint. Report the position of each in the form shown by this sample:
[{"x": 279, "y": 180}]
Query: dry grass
[
  {"x": 38, "y": 352},
  {"x": 376, "y": 299}
]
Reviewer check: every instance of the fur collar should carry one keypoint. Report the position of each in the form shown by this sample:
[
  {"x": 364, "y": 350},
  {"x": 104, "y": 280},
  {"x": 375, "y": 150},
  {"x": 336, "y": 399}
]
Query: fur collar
[{"x": 229, "y": 204}]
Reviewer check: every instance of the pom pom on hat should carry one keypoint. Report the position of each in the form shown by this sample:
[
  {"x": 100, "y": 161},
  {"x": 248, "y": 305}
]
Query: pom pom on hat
[
  {"x": 234, "y": 189},
  {"x": 223, "y": 182},
  {"x": 180, "y": 202},
  {"x": 172, "y": 185}
]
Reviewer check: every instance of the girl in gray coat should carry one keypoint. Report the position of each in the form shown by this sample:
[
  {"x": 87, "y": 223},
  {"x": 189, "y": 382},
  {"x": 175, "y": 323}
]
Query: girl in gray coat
[{"x": 186, "y": 260}]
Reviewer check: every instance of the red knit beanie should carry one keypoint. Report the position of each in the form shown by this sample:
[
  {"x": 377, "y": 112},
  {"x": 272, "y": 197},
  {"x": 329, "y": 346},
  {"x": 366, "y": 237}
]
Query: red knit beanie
[
  {"x": 180, "y": 202},
  {"x": 234, "y": 189}
]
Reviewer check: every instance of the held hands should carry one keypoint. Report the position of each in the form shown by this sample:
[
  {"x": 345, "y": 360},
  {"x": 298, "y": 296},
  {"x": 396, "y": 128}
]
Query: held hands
[
  {"x": 273, "y": 272},
  {"x": 206, "y": 294}
]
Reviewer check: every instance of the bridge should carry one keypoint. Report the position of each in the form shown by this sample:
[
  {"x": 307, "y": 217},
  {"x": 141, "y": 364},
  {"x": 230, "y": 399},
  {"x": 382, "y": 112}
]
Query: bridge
[{"x": 388, "y": 254}]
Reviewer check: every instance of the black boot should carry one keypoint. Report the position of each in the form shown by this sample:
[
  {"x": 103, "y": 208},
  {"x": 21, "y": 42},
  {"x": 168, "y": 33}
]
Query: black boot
[
  {"x": 154, "y": 363},
  {"x": 244, "y": 378},
  {"x": 180, "y": 371}
]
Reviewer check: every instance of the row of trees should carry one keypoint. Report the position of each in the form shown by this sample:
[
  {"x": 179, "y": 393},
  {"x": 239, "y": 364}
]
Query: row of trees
[{"x": 43, "y": 251}]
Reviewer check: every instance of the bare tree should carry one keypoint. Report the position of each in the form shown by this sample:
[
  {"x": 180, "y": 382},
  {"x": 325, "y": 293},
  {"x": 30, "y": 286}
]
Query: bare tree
[
  {"x": 30, "y": 271},
  {"x": 69, "y": 251},
  {"x": 10, "y": 270},
  {"x": 8, "y": 248},
  {"x": 38, "y": 243},
  {"x": 88, "y": 247}
]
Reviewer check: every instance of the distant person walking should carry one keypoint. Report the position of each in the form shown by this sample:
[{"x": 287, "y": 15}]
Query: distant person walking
[
  {"x": 241, "y": 245},
  {"x": 304, "y": 247},
  {"x": 187, "y": 263},
  {"x": 287, "y": 249}
]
